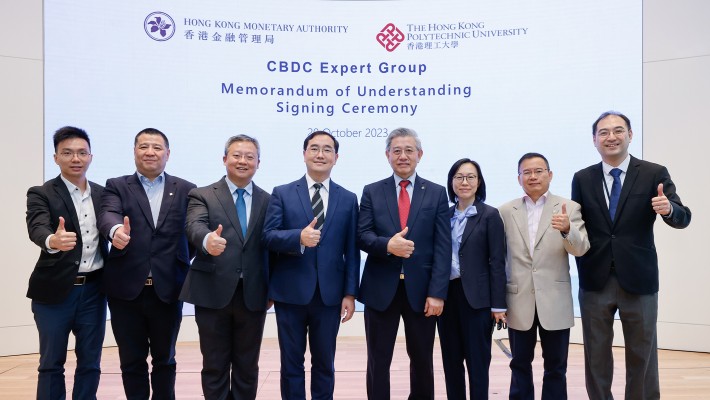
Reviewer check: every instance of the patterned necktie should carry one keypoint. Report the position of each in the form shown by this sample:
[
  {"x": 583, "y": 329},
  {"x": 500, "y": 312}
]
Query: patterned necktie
[
  {"x": 317, "y": 205},
  {"x": 615, "y": 192},
  {"x": 242, "y": 211},
  {"x": 403, "y": 203}
]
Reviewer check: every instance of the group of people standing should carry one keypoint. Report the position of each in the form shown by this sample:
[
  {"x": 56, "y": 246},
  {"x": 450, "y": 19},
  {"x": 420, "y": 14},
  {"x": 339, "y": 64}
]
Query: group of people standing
[{"x": 233, "y": 251}]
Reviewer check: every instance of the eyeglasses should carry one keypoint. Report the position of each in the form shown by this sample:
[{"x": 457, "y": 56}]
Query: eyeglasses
[
  {"x": 530, "y": 172},
  {"x": 409, "y": 151},
  {"x": 69, "y": 155},
  {"x": 616, "y": 132},
  {"x": 327, "y": 150},
  {"x": 468, "y": 178}
]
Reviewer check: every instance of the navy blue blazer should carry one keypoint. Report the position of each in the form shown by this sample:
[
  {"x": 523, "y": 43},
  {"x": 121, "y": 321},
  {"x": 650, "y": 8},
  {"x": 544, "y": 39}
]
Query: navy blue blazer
[
  {"x": 53, "y": 276},
  {"x": 628, "y": 241},
  {"x": 334, "y": 264},
  {"x": 428, "y": 269},
  {"x": 160, "y": 249},
  {"x": 482, "y": 258}
]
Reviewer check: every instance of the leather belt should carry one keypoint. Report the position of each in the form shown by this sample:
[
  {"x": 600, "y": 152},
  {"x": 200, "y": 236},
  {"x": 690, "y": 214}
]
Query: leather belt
[
  {"x": 149, "y": 282},
  {"x": 82, "y": 279}
]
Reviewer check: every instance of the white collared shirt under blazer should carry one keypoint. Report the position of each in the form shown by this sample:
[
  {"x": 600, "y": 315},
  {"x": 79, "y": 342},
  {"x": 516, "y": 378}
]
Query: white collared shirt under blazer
[{"x": 541, "y": 280}]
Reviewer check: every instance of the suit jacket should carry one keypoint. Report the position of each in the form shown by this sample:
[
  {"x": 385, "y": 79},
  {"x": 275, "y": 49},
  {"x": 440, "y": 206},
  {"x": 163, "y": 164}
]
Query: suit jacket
[
  {"x": 53, "y": 276},
  {"x": 334, "y": 264},
  {"x": 212, "y": 281},
  {"x": 628, "y": 241},
  {"x": 482, "y": 258},
  {"x": 160, "y": 249},
  {"x": 542, "y": 281},
  {"x": 428, "y": 269}
]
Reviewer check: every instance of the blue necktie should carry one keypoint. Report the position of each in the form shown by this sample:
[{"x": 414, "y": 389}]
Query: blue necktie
[
  {"x": 242, "y": 211},
  {"x": 615, "y": 192}
]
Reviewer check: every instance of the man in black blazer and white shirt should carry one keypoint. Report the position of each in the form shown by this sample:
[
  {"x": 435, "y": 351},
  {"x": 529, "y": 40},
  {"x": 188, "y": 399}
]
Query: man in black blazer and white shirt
[
  {"x": 64, "y": 285},
  {"x": 621, "y": 198}
]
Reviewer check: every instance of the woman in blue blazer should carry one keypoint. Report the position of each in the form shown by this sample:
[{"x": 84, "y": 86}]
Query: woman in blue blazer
[{"x": 476, "y": 297}]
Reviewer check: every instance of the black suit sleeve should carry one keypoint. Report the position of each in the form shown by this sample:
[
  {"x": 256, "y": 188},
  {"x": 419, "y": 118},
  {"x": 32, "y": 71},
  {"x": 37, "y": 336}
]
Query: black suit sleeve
[{"x": 680, "y": 217}]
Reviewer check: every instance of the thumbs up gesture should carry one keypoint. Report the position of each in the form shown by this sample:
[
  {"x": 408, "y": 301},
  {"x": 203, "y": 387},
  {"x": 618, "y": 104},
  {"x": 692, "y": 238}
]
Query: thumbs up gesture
[
  {"x": 661, "y": 204},
  {"x": 310, "y": 236},
  {"x": 62, "y": 240},
  {"x": 122, "y": 235},
  {"x": 560, "y": 220},
  {"x": 399, "y": 245},
  {"x": 215, "y": 242}
]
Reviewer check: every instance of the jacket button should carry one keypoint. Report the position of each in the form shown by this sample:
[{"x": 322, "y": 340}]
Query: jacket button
[
  {"x": 533, "y": 290},
  {"x": 76, "y": 262},
  {"x": 613, "y": 236}
]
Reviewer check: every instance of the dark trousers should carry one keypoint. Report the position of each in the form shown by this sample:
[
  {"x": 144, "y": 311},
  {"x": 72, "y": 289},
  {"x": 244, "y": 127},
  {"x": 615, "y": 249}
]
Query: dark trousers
[
  {"x": 230, "y": 338},
  {"x": 82, "y": 313},
  {"x": 638, "y": 314},
  {"x": 381, "y": 334},
  {"x": 465, "y": 335},
  {"x": 320, "y": 323},
  {"x": 142, "y": 325},
  {"x": 555, "y": 348}
]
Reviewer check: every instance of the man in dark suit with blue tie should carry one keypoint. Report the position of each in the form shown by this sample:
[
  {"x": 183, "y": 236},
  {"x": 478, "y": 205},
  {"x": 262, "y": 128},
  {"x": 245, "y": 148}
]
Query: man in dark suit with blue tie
[
  {"x": 310, "y": 231},
  {"x": 143, "y": 215},
  {"x": 65, "y": 283},
  {"x": 227, "y": 281},
  {"x": 404, "y": 228},
  {"x": 621, "y": 198}
]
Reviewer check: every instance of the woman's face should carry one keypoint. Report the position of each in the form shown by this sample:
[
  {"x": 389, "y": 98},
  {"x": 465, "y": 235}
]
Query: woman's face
[{"x": 466, "y": 182}]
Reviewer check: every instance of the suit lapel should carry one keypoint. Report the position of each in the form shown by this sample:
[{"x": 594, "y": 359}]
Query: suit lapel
[
  {"x": 136, "y": 187},
  {"x": 224, "y": 196},
  {"x": 520, "y": 216},
  {"x": 169, "y": 190},
  {"x": 551, "y": 204},
  {"x": 258, "y": 202},
  {"x": 631, "y": 174},
  {"x": 61, "y": 188},
  {"x": 471, "y": 225},
  {"x": 333, "y": 199},
  {"x": 390, "y": 195},
  {"x": 417, "y": 200},
  {"x": 305, "y": 198},
  {"x": 598, "y": 191}
]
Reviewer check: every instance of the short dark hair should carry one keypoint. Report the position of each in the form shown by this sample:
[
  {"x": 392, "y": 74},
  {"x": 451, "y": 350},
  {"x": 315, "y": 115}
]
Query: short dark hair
[
  {"x": 243, "y": 138},
  {"x": 480, "y": 191},
  {"x": 528, "y": 156},
  {"x": 70, "y": 132},
  {"x": 608, "y": 113},
  {"x": 152, "y": 131},
  {"x": 318, "y": 133}
]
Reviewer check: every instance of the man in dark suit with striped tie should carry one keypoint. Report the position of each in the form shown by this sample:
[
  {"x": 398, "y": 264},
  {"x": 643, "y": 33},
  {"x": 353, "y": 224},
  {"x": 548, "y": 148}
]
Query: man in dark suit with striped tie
[{"x": 310, "y": 232}]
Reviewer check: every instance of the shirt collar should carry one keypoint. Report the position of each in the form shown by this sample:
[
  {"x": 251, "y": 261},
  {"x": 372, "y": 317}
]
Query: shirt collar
[
  {"x": 541, "y": 200},
  {"x": 233, "y": 188},
  {"x": 311, "y": 181},
  {"x": 624, "y": 166},
  {"x": 411, "y": 179},
  {"x": 71, "y": 187},
  {"x": 144, "y": 179}
]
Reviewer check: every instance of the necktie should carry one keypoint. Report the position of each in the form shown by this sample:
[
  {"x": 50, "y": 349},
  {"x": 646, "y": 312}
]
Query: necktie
[
  {"x": 242, "y": 211},
  {"x": 403, "y": 203},
  {"x": 615, "y": 192},
  {"x": 317, "y": 205}
]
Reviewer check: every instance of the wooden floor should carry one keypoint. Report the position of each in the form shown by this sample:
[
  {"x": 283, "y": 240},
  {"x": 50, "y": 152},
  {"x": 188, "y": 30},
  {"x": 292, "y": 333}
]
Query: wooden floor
[{"x": 684, "y": 375}]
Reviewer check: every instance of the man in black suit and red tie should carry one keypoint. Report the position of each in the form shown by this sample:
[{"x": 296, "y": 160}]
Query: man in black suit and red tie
[
  {"x": 65, "y": 283},
  {"x": 227, "y": 281},
  {"x": 143, "y": 215},
  {"x": 621, "y": 198},
  {"x": 404, "y": 229}
]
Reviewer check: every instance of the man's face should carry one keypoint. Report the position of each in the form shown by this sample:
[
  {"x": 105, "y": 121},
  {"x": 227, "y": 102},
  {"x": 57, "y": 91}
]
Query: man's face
[
  {"x": 73, "y": 157},
  {"x": 534, "y": 177},
  {"x": 612, "y": 138},
  {"x": 320, "y": 156},
  {"x": 404, "y": 156},
  {"x": 151, "y": 154},
  {"x": 242, "y": 161}
]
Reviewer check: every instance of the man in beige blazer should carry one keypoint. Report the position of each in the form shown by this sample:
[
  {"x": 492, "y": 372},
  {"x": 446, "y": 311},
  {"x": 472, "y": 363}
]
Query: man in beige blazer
[{"x": 541, "y": 231}]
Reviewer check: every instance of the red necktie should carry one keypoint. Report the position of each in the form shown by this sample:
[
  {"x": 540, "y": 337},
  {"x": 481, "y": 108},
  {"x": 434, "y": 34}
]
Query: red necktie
[{"x": 403, "y": 203}]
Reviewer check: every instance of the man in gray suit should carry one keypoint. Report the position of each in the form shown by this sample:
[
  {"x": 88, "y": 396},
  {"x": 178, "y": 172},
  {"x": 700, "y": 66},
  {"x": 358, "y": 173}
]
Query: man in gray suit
[
  {"x": 227, "y": 282},
  {"x": 541, "y": 229}
]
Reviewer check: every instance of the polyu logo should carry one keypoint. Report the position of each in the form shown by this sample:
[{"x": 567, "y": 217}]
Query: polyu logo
[{"x": 390, "y": 37}]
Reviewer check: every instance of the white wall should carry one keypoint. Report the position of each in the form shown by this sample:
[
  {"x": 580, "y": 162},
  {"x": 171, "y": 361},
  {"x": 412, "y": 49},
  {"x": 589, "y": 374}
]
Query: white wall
[{"x": 676, "y": 97}]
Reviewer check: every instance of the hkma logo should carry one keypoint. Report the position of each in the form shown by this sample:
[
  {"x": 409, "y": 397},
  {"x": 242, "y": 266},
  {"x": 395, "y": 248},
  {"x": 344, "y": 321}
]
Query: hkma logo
[
  {"x": 390, "y": 37},
  {"x": 159, "y": 26}
]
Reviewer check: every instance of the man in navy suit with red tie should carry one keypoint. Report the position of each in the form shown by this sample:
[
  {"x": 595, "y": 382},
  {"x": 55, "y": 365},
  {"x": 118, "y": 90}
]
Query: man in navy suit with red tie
[
  {"x": 143, "y": 215},
  {"x": 310, "y": 231},
  {"x": 404, "y": 228}
]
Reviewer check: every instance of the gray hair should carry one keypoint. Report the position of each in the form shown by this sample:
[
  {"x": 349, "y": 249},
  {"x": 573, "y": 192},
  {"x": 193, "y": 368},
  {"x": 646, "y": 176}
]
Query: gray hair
[
  {"x": 403, "y": 132},
  {"x": 242, "y": 138}
]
